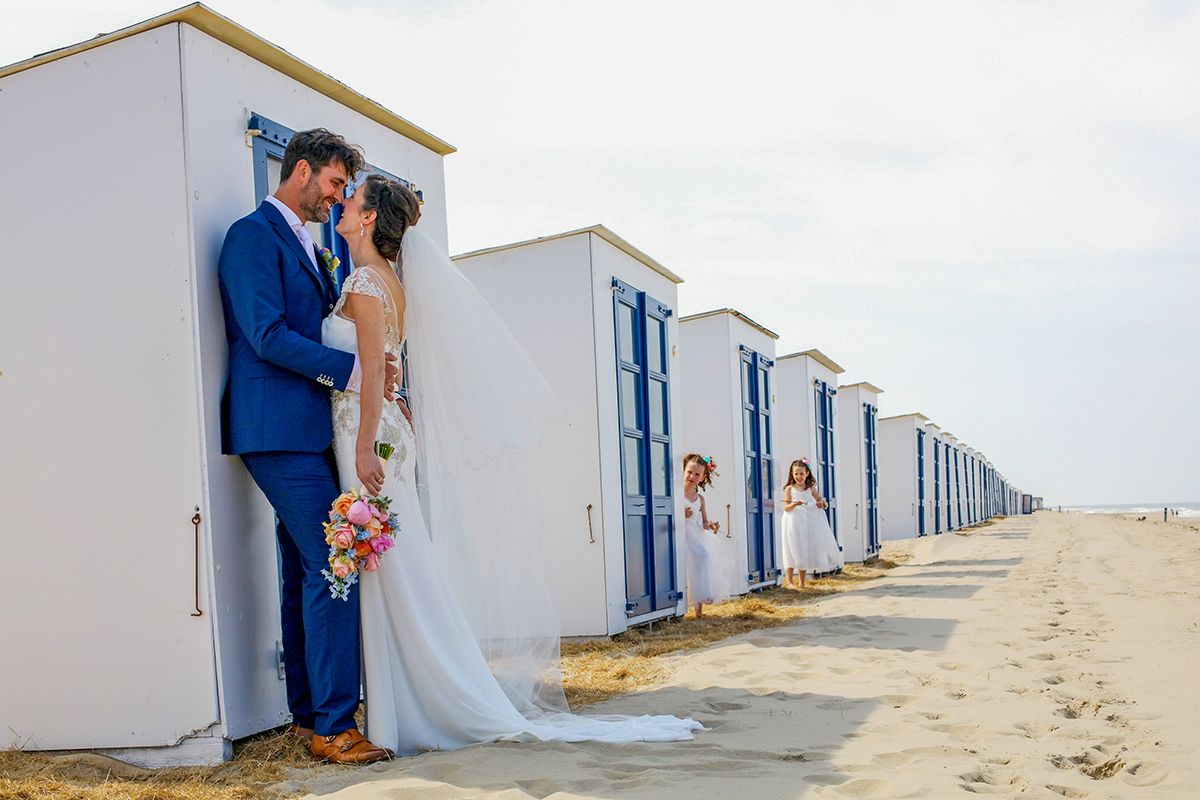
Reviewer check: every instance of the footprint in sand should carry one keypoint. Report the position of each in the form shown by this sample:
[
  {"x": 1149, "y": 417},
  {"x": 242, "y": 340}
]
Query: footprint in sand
[
  {"x": 1066, "y": 791},
  {"x": 867, "y": 788},
  {"x": 1035, "y": 730},
  {"x": 1145, "y": 773},
  {"x": 1045, "y": 657},
  {"x": 993, "y": 780}
]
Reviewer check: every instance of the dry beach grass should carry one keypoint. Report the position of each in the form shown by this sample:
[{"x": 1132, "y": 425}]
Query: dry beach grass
[{"x": 592, "y": 671}]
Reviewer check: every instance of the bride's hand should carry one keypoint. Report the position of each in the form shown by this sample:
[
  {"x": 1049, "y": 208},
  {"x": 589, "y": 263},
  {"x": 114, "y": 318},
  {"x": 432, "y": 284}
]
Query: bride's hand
[{"x": 370, "y": 471}]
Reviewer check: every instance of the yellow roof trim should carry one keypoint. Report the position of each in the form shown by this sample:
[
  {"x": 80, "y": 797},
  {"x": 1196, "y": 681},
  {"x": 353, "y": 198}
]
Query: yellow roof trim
[
  {"x": 597, "y": 230},
  {"x": 870, "y": 387},
  {"x": 732, "y": 312},
  {"x": 819, "y": 357},
  {"x": 246, "y": 41}
]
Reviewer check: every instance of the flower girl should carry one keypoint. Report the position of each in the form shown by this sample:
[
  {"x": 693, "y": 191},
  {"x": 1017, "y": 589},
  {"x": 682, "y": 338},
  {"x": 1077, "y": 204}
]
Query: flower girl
[
  {"x": 703, "y": 578},
  {"x": 808, "y": 542}
]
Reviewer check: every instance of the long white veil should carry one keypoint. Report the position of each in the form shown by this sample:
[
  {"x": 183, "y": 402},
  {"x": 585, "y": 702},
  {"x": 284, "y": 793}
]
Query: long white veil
[{"x": 481, "y": 407}]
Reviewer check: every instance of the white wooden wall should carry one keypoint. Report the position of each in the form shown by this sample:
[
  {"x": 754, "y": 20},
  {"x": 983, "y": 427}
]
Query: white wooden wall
[
  {"x": 555, "y": 325},
  {"x": 898, "y": 492},
  {"x": 98, "y": 408}
]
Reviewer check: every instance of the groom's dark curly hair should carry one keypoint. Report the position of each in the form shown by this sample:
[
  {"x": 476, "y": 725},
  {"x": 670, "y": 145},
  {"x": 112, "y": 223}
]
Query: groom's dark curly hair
[{"x": 320, "y": 148}]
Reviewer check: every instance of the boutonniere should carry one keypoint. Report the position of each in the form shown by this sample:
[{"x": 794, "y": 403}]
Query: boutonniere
[{"x": 332, "y": 263}]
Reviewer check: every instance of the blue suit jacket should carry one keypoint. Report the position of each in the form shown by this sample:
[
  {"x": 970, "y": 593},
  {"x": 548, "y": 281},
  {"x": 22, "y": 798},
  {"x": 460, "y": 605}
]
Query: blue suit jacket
[{"x": 277, "y": 395}]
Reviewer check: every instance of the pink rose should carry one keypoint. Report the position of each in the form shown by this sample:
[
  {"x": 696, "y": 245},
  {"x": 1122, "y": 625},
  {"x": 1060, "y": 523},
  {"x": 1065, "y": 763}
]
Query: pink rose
[
  {"x": 382, "y": 543},
  {"x": 372, "y": 563},
  {"x": 342, "y": 569},
  {"x": 379, "y": 513},
  {"x": 359, "y": 513},
  {"x": 343, "y": 538}
]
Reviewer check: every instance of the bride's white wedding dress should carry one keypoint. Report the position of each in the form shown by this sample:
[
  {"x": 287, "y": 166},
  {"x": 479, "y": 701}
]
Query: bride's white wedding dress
[{"x": 428, "y": 685}]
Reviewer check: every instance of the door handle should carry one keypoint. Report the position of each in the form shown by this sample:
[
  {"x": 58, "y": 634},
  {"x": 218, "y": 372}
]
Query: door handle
[
  {"x": 728, "y": 520},
  {"x": 196, "y": 525},
  {"x": 591, "y": 534}
]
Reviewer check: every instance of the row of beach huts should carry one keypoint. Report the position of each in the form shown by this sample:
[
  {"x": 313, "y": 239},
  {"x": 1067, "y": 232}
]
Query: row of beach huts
[{"x": 166, "y": 595}]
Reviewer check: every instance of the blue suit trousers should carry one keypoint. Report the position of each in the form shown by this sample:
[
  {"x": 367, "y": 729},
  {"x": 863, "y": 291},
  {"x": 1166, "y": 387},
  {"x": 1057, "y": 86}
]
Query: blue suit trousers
[{"x": 322, "y": 657}]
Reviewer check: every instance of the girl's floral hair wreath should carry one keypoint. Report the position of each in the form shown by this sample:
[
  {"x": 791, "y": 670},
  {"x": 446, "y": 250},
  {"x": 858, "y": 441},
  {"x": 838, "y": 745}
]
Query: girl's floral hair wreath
[{"x": 710, "y": 464}]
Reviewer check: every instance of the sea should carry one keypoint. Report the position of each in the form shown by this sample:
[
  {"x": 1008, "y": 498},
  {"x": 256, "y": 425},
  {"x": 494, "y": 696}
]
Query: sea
[{"x": 1191, "y": 509}]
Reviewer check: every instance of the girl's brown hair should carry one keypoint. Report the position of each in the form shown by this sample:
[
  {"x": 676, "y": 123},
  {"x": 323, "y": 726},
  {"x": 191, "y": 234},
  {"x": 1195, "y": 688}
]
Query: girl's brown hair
[
  {"x": 710, "y": 468},
  {"x": 809, "y": 482}
]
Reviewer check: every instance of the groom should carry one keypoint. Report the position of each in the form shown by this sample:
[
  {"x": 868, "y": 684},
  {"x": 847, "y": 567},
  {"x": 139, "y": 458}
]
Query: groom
[{"x": 276, "y": 415}]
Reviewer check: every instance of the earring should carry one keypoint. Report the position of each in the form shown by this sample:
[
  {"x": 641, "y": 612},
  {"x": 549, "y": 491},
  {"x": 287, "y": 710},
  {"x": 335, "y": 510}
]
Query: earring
[{"x": 362, "y": 229}]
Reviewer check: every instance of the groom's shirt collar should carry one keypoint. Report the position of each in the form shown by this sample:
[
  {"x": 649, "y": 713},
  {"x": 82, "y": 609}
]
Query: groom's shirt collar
[{"x": 297, "y": 227}]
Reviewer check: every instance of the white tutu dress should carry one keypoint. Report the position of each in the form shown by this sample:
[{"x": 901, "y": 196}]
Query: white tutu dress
[{"x": 808, "y": 541}]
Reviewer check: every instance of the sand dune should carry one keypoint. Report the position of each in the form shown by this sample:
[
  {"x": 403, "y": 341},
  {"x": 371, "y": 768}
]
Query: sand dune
[{"x": 1052, "y": 656}]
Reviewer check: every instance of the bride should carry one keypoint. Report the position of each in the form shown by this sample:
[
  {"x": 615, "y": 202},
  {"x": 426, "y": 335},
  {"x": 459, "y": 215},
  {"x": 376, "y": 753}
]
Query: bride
[{"x": 460, "y": 638}]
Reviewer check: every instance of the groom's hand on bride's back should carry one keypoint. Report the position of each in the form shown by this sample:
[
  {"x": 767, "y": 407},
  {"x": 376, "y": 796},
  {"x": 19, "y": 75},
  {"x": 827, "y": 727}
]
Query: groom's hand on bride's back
[{"x": 391, "y": 377}]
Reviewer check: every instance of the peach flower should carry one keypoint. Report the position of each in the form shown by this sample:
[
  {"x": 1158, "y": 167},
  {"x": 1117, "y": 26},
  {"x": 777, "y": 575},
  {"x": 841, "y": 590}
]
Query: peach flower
[
  {"x": 342, "y": 504},
  {"x": 343, "y": 538}
]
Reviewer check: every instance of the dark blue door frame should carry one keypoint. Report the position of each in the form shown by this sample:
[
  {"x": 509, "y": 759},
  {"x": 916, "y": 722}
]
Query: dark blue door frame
[
  {"x": 871, "y": 475},
  {"x": 949, "y": 505},
  {"x": 826, "y": 467},
  {"x": 937, "y": 487},
  {"x": 920, "y": 481},
  {"x": 759, "y": 463},
  {"x": 647, "y": 477},
  {"x": 958, "y": 489}
]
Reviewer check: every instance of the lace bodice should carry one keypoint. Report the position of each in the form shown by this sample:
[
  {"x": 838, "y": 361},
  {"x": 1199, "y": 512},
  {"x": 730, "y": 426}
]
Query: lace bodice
[
  {"x": 341, "y": 333},
  {"x": 363, "y": 281}
]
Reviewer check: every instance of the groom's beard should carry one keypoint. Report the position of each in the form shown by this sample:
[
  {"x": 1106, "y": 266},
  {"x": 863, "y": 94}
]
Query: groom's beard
[{"x": 312, "y": 203}]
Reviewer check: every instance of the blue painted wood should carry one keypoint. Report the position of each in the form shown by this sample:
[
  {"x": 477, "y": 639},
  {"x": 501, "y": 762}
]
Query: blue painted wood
[
  {"x": 920, "y": 481},
  {"x": 825, "y": 454},
  {"x": 647, "y": 477},
  {"x": 937, "y": 487},
  {"x": 759, "y": 465},
  {"x": 872, "y": 478}
]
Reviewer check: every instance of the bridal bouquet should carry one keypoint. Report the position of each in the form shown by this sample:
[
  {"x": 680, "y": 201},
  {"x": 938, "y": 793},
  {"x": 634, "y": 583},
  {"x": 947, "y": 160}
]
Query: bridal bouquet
[{"x": 359, "y": 531}]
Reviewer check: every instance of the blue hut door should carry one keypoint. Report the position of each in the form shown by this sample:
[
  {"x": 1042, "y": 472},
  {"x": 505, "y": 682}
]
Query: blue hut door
[
  {"x": 826, "y": 468},
  {"x": 760, "y": 492},
  {"x": 937, "y": 488},
  {"x": 872, "y": 478},
  {"x": 920, "y": 482},
  {"x": 958, "y": 489},
  {"x": 646, "y": 475}
]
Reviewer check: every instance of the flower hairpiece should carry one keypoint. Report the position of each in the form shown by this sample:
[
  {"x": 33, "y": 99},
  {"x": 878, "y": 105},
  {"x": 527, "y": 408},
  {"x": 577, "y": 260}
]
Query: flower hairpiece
[
  {"x": 332, "y": 262},
  {"x": 710, "y": 464}
]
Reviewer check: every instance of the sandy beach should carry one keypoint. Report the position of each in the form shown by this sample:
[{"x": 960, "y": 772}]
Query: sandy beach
[{"x": 1052, "y": 656}]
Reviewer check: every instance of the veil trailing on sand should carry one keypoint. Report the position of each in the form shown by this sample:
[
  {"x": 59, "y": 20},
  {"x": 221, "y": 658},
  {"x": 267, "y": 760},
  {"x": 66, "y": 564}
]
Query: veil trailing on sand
[{"x": 481, "y": 408}]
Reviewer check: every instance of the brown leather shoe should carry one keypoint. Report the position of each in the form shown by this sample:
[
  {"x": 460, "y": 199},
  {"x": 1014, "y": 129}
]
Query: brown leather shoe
[
  {"x": 299, "y": 733},
  {"x": 348, "y": 747}
]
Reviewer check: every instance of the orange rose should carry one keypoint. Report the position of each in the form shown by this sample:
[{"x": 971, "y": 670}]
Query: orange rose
[
  {"x": 362, "y": 548},
  {"x": 342, "y": 504}
]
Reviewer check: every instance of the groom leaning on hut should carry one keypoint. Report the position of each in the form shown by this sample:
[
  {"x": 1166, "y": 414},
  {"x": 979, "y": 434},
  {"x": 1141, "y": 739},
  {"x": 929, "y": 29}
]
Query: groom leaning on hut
[{"x": 276, "y": 416}]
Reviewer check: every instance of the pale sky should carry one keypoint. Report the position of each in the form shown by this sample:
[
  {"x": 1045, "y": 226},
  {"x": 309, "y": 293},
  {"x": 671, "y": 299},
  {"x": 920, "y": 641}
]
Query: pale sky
[{"x": 989, "y": 209}]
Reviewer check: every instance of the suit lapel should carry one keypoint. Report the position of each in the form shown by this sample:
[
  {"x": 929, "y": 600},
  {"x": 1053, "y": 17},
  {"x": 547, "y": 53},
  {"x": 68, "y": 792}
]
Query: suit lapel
[{"x": 284, "y": 231}]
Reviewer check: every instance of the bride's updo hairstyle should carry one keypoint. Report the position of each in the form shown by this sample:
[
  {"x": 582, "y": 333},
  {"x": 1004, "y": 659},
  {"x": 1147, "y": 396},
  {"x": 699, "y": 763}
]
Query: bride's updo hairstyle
[{"x": 397, "y": 209}]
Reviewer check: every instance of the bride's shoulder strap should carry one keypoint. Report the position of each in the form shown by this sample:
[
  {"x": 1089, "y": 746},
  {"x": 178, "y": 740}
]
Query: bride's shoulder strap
[{"x": 362, "y": 281}]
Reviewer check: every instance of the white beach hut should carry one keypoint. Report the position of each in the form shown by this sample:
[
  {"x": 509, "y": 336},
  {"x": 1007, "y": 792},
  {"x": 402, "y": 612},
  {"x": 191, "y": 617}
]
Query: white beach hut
[
  {"x": 155, "y": 635},
  {"x": 858, "y": 472},
  {"x": 904, "y": 480},
  {"x": 935, "y": 481},
  {"x": 970, "y": 485},
  {"x": 806, "y": 420},
  {"x": 728, "y": 413},
  {"x": 607, "y": 344}
]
